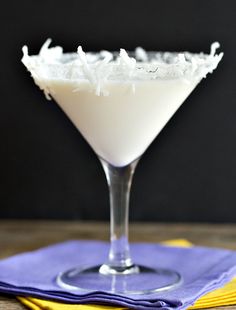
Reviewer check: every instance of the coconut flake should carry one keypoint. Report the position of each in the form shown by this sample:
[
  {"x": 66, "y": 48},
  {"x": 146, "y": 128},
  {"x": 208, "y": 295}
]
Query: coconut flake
[
  {"x": 53, "y": 54},
  {"x": 214, "y": 47},
  {"x": 107, "y": 57},
  {"x": 130, "y": 62},
  {"x": 85, "y": 67},
  {"x": 141, "y": 54}
]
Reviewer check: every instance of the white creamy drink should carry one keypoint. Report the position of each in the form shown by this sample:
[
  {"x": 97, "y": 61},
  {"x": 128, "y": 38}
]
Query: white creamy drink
[
  {"x": 120, "y": 127},
  {"x": 119, "y": 104}
]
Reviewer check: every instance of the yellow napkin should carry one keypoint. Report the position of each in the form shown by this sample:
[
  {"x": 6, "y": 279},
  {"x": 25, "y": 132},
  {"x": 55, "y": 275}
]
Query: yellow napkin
[
  {"x": 40, "y": 304},
  {"x": 224, "y": 296}
]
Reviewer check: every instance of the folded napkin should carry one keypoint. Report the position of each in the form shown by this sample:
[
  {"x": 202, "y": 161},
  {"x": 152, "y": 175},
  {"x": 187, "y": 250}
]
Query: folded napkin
[
  {"x": 33, "y": 274},
  {"x": 224, "y": 296},
  {"x": 41, "y": 304}
]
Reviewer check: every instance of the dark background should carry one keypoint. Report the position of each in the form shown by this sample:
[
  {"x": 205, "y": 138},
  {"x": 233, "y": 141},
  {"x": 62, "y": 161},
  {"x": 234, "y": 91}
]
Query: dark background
[{"x": 48, "y": 170}]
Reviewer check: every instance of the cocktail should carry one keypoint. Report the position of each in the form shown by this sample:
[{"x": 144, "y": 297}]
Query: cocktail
[{"x": 119, "y": 103}]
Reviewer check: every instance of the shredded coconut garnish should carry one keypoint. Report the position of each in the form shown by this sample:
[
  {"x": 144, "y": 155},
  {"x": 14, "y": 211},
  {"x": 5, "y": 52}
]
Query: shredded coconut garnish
[
  {"x": 99, "y": 68},
  {"x": 34, "y": 69}
]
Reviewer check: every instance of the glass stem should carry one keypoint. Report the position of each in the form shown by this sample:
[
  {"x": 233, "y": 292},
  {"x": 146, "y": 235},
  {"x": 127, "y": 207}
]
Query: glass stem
[{"x": 119, "y": 180}]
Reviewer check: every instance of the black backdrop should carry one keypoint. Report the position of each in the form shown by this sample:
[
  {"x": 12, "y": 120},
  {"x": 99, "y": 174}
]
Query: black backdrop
[{"x": 48, "y": 170}]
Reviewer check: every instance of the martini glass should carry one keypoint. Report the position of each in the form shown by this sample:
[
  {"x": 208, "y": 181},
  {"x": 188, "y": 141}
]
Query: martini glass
[{"x": 119, "y": 104}]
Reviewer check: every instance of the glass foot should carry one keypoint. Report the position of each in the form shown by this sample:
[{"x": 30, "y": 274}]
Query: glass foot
[{"x": 143, "y": 281}]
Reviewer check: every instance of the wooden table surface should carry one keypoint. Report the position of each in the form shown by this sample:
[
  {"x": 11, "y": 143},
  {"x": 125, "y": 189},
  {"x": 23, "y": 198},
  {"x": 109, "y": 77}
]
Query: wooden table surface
[{"x": 19, "y": 236}]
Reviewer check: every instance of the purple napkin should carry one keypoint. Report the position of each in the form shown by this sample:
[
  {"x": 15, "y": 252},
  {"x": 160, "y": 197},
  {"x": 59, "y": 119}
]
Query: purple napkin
[{"x": 34, "y": 273}]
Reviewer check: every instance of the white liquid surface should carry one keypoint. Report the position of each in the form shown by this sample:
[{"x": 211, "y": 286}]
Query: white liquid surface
[{"x": 121, "y": 126}]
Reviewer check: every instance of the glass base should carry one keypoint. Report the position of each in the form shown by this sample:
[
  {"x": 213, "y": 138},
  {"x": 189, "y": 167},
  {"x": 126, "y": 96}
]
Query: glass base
[{"x": 143, "y": 280}]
